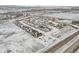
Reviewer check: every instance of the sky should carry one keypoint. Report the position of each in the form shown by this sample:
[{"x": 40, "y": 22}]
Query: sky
[{"x": 41, "y": 2}]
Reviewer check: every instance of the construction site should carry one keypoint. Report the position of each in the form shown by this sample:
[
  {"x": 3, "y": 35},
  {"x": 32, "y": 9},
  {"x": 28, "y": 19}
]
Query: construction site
[{"x": 39, "y": 29}]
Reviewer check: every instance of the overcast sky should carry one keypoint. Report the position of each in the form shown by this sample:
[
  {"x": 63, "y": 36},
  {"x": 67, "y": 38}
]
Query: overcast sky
[{"x": 40, "y": 2}]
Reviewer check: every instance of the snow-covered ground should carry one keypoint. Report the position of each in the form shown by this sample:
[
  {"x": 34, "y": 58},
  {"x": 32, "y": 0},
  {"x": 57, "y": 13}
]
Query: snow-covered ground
[
  {"x": 70, "y": 16},
  {"x": 14, "y": 39}
]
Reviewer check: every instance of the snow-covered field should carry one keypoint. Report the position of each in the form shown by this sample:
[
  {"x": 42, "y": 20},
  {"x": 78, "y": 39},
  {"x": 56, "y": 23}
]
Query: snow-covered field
[
  {"x": 70, "y": 16},
  {"x": 14, "y": 39}
]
